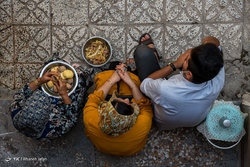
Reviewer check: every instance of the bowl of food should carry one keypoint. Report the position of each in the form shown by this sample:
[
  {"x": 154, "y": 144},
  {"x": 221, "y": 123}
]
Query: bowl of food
[
  {"x": 66, "y": 72},
  {"x": 97, "y": 51}
]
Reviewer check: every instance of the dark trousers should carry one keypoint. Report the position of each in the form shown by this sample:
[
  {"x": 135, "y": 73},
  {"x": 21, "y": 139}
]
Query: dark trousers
[{"x": 146, "y": 61}]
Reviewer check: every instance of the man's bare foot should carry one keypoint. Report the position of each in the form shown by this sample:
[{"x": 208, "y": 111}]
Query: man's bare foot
[
  {"x": 146, "y": 39},
  {"x": 151, "y": 45}
]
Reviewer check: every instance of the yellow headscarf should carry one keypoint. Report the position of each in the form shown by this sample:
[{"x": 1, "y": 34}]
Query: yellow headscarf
[{"x": 113, "y": 123}]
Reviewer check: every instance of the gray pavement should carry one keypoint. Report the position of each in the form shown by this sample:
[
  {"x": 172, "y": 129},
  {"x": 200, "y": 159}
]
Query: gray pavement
[
  {"x": 182, "y": 147},
  {"x": 31, "y": 31}
]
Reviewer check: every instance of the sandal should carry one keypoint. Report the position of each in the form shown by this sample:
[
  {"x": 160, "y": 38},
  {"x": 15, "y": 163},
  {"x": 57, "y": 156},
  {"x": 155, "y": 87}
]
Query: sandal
[{"x": 147, "y": 42}]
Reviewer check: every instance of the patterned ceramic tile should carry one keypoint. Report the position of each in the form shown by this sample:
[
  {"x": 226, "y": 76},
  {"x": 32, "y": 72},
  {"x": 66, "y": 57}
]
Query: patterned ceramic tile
[
  {"x": 246, "y": 44},
  {"x": 63, "y": 26},
  {"x": 230, "y": 36},
  {"x": 179, "y": 38},
  {"x": 247, "y": 12},
  {"x": 156, "y": 32},
  {"x": 105, "y": 11},
  {"x": 31, "y": 11},
  {"x": 246, "y": 40},
  {"x": 68, "y": 41},
  {"x": 6, "y": 43},
  {"x": 7, "y": 75},
  {"x": 223, "y": 10},
  {"x": 25, "y": 73},
  {"x": 116, "y": 36},
  {"x": 32, "y": 43},
  {"x": 5, "y": 11},
  {"x": 140, "y": 11},
  {"x": 73, "y": 13},
  {"x": 184, "y": 11}
]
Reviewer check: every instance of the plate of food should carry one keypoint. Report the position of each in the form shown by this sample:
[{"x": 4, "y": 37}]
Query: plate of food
[
  {"x": 67, "y": 74},
  {"x": 97, "y": 51}
]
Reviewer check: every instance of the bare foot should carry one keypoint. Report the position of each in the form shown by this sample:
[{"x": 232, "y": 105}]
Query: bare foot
[
  {"x": 145, "y": 38},
  {"x": 151, "y": 45}
]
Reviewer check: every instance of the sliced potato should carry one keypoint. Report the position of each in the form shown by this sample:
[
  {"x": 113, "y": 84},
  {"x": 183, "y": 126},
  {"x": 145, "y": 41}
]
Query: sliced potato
[
  {"x": 55, "y": 89},
  {"x": 55, "y": 69},
  {"x": 68, "y": 74},
  {"x": 50, "y": 84},
  {"x": 62, "y": 76}
]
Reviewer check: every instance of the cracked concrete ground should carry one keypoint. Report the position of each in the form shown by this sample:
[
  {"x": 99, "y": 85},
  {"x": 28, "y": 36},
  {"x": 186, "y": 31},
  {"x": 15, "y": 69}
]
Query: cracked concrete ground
[{"x": 31, "y": 31}]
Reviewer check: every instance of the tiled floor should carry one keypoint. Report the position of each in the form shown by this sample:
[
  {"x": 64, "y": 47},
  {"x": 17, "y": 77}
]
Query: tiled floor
[{"x": 32, "y": 30}]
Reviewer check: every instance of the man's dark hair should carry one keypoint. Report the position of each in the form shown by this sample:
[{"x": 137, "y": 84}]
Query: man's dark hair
[
  {"x": 122, "y": 108},
  {"x": 205, "y": 62}
]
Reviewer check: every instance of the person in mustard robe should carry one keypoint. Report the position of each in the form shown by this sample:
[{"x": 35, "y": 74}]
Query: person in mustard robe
[{"x": 110, "y": 130}]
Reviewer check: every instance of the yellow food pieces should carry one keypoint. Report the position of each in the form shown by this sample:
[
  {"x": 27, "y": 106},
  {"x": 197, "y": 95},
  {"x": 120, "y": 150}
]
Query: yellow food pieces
[
  {"x": 55, "y": 69},
  {"x": 68, "y": 86},
  {"x": 55, "y": 89},
  {"x": 62, "y": 76},
  {"x": 50, "y": 84},
  {"x": 67, "y": 74},
  {"x": 97, "y": 52}
]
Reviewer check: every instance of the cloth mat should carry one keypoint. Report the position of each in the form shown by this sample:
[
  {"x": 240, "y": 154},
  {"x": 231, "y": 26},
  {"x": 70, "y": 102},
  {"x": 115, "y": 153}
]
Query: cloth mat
[{"x": 212, "y": 129}]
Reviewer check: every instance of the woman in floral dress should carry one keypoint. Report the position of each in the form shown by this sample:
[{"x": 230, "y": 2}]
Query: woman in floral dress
[{"x": 40, "y": 116}]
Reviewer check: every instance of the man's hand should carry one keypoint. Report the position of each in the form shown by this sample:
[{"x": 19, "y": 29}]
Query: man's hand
[{"x": 179, "y": 62}]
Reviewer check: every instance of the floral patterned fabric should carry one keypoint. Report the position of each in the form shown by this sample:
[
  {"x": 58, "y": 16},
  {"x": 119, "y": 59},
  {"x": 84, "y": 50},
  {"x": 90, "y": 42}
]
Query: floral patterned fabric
[
  {"x": 113, "y": 123},
  {"x": 37, "y": 115}
]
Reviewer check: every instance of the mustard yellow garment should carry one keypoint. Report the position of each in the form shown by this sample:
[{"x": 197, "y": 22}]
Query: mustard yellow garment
[{"x": 127, "y": 143}]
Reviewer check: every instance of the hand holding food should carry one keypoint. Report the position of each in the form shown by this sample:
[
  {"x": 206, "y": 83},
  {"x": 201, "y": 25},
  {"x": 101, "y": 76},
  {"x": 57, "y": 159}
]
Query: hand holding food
[
  {"x": 47, "y": 76},
  {"x": 60, "y": 87},
  {"x": 61, "y": 77}
]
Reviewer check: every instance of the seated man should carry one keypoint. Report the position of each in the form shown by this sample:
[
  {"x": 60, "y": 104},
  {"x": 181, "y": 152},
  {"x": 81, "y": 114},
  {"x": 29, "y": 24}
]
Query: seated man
[{"x": 183, "y": 100}]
